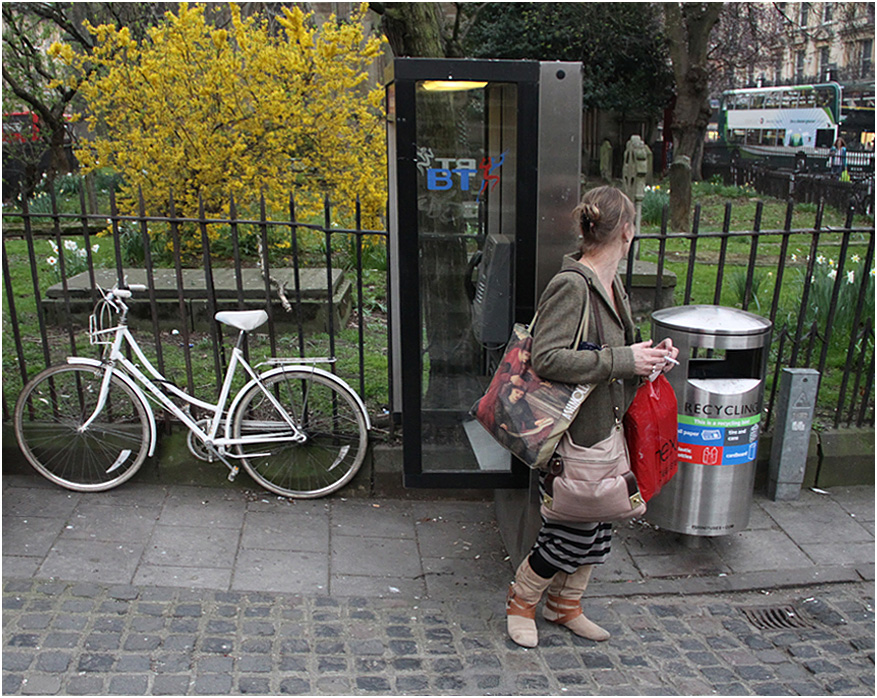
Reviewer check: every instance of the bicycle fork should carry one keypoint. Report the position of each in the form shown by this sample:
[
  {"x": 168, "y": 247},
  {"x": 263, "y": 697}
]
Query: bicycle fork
[{"x": 101, "y": 403}]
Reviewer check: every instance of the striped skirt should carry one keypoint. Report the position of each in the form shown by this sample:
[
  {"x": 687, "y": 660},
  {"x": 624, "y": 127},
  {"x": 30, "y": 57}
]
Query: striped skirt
[{"x": 569, "y": 545}]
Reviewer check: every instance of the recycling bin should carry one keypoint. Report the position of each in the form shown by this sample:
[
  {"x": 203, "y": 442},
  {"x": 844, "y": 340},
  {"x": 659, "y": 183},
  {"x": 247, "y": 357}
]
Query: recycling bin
[{"x": 719, "y": 385}]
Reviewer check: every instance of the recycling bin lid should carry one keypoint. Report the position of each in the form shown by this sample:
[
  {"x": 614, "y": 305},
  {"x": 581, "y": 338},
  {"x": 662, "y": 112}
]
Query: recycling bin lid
[
  {"x": 712, "y": 320},
  {"x": 725, "y": 386}
]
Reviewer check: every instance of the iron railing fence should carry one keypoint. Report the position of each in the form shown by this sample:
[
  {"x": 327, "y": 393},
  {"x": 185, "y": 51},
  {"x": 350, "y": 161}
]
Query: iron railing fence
[
  {"x": 820, "y": 286},
  {"x": 314, "y": 308},
  {"x": 807, "y": 188},
  {"x": 815, "y": 285}
]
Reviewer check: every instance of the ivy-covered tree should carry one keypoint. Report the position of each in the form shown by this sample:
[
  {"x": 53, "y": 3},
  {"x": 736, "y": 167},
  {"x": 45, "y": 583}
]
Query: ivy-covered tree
[
  {"x": 621, "y": 47},
  {"x": 205, "y": 111},
  {"x": 688, "y": 26}
]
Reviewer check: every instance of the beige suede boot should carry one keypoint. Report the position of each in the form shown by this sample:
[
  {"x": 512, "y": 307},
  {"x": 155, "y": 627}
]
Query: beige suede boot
[
  {"x": 564, "y": 604},
  {"x": 523, "y": 597}
]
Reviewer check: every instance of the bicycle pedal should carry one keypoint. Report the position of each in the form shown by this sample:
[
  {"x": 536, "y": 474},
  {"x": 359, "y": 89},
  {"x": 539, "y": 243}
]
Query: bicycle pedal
[{"x": 234, "y": 471}]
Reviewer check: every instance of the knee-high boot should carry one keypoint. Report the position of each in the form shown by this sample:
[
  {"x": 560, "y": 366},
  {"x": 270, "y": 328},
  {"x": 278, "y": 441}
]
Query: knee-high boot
[
  {"x": 524, "y": 594},
  {"x": 564, "y": 604}
]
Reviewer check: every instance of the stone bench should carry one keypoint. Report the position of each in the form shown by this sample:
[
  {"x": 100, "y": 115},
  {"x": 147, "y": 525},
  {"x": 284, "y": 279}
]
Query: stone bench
[{"x": 312, "y": 282}]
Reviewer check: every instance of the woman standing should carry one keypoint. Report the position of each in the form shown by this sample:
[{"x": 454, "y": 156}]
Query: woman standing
[
  {"x": 565, "y": 553},
  {"x": 838, "y": 157}
]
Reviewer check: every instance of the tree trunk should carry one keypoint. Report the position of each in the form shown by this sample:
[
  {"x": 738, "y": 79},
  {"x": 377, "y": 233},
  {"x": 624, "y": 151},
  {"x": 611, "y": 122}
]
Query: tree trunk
[
  {"x": 688, "y": 27},
  {"x": 414, "y": 29}
]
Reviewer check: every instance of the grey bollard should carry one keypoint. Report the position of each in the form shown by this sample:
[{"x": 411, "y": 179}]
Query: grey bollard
[{"x": 791, "y": 438}]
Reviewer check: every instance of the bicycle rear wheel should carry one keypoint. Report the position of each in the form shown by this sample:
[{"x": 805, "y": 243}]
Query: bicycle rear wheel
[
  {"x": 328, "y": 415},
  {"x": 53, "y": 406}
]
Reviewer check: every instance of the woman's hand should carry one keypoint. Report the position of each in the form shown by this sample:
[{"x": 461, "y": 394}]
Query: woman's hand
[
  {"x": 672, "y": 352},
  {"x": 648, "y": 359}
]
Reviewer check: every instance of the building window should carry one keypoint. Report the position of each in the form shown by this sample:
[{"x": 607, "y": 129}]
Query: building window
[
  {"x": 867, "y": 50},
  {"x": 824, "y": 66},
  {"x": 827, "y": 12},
  {"x": 805, "y": 13},
  {"x": 799, "y": 65}
]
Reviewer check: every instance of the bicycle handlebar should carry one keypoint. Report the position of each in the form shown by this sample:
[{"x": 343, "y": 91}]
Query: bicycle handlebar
[{"x": 122, "y": 293}]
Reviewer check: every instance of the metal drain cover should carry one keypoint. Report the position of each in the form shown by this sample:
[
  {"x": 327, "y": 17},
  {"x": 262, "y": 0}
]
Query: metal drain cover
[{"x": 775, "y": 617}]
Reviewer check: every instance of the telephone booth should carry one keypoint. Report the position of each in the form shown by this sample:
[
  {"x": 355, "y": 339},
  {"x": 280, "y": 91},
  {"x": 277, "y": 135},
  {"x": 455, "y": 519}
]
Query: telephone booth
[{"x": 484, "y": 171}]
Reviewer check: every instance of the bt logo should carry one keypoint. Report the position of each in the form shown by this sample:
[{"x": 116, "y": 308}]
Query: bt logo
[{"x": 464, "y": 172}]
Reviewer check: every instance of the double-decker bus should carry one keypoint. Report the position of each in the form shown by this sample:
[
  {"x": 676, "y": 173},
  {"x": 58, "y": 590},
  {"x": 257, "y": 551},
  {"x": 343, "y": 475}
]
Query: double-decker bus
[
  {"x": 779, "y": 123},
  {"x": 21, "y": 127},
  {"x": 800, "y": 116}
]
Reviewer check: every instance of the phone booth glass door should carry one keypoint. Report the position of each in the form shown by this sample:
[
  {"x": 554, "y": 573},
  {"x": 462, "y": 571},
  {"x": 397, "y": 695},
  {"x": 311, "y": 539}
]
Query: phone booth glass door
[
  {"x": 457, "y": 151},
  {"x": 466, "y": 182}
]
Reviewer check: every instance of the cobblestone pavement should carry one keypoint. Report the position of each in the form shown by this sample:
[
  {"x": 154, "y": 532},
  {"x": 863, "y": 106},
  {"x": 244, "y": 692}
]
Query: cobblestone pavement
[{"x": 85, "y": 638}]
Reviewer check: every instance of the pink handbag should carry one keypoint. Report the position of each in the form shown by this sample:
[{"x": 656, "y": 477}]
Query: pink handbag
[{"x": 591, "y": 484}]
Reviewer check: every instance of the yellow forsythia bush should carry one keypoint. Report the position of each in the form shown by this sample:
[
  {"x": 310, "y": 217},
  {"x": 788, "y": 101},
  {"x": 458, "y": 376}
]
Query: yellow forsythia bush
[{"x": 195, "y": 109}]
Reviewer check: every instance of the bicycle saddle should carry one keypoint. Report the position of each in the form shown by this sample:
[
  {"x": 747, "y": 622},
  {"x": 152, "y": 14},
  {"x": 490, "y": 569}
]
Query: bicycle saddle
[{"x": 245, "y": 320}]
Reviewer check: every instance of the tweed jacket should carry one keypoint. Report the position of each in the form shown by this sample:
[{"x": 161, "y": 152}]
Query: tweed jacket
[{"x": 611, "y": 369}]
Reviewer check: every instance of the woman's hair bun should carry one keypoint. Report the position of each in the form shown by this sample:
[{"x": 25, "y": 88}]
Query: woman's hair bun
[{"x": 590, "y": 214}]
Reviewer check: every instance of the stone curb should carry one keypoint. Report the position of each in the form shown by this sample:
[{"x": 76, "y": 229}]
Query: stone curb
[{"x": 738, "y": 582}]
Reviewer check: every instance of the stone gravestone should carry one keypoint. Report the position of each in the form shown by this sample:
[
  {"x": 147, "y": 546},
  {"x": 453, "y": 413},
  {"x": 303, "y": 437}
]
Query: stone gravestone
[
  {"x": 680, "y": 202},
  {"x": 606, "y": 161},
  {"x": 634, "y": 173}
]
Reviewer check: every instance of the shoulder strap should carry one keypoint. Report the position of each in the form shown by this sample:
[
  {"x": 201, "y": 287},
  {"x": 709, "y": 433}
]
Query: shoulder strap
[{"x": 586, "y": 315}]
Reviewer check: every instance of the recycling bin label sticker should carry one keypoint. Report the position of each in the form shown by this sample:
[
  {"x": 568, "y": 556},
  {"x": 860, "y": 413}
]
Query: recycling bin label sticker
[{"x": 718, "y": 441}]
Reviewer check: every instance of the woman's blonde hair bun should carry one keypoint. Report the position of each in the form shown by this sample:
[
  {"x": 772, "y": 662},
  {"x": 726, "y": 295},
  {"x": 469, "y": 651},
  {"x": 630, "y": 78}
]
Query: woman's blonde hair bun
[
  {"x": 590, "y": 215},
  {"x": 601, "y": 215}
]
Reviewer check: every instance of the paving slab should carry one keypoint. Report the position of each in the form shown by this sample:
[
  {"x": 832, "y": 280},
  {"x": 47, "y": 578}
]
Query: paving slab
[
  {"x": 92, "y": 561},
  {"x": 373, "y": 519},
  {"x": 287, "y": 572},
  {"x": 31, "y": 536},
  {"x": 188, "y": 577},
  {"x": 816, "y": 518},
  {"x": 840, "y": 552},
  {"x": 192, "y": 546},
  {"x": 285, "y": 531},
  {"x": 749, "y": 551},
  {"x": 100, "y": 520},
  {"x": 376, "y": 557},
  {"x": 199, "y": 506}
]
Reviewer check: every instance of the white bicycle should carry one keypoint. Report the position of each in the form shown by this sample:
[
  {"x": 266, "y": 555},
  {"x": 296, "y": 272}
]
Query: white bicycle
[{"x": 87, "y": 425}]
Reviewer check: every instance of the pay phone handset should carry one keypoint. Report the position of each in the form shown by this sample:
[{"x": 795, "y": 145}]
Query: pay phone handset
[{"x": 492, "y": 293}]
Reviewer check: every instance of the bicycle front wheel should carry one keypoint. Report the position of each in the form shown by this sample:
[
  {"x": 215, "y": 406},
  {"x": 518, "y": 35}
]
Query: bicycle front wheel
[
  {"x": 48, "y": 416},
  {"x": 330, "y": 419}
]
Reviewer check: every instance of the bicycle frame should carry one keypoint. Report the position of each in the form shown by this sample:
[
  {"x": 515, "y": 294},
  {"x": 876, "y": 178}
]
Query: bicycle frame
[{"x": 117, "y": 363}]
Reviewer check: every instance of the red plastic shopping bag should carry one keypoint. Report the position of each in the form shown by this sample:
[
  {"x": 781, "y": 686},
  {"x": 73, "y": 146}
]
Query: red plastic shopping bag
[{"x": 651, "y": 428}]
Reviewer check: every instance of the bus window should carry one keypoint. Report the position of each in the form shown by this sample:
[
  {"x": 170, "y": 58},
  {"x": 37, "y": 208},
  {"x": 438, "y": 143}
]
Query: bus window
[
  {"x": 824, "y": 137},
  {"x": 823, "y": 97},
  {"x": 757, "y": 101},
  {"x": 790, "y": 99},
  {"x": 769, "y": 137},
  {"x": 752, "y": 136},
  {"x": 807, "y": 99},
  {"x": 781, "y": 136},
  {"x": 772, "y": 100},
  {"x": 740, "y": 101},
  {"x": 737, "y": 135}
]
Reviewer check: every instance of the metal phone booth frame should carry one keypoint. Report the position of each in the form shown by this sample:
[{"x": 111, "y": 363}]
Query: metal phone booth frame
[{"x": 484, "y": 160}]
